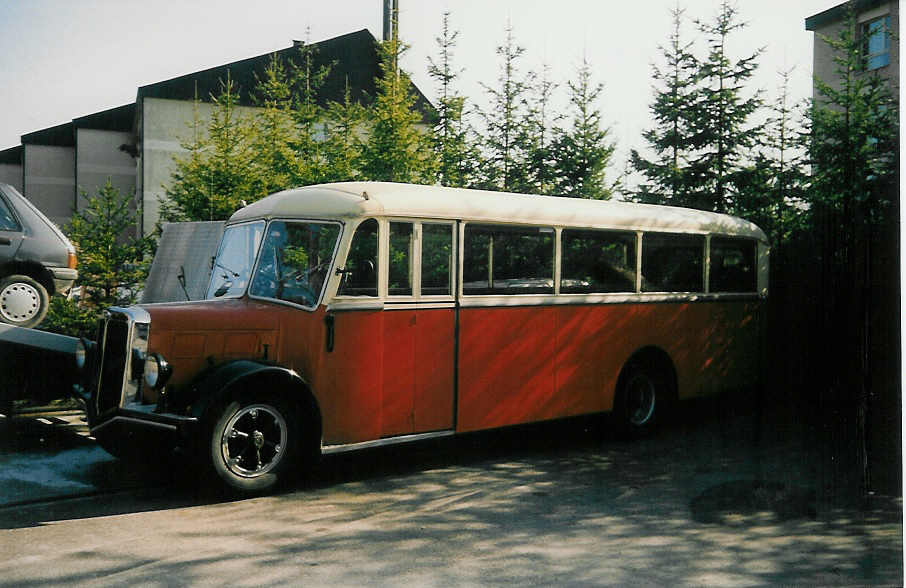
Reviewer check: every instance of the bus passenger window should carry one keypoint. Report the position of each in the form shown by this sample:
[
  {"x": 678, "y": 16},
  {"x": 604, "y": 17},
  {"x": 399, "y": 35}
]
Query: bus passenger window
[
  {"x": 401, "y": 241},
  {"x": 597, "y": 262},
  {"x": 732, "y": 265},
  {"x": 672, "y": 262},
  {"x": 360, "y": 270},
  {"x": 508, "y": 260},
  {"x": 437, "y": 259}
]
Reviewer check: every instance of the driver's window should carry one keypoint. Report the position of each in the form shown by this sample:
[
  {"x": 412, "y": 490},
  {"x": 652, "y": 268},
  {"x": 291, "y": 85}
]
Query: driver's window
[
  {"x": 360, "y": 270},
  {"x": 294, "y": 261}
]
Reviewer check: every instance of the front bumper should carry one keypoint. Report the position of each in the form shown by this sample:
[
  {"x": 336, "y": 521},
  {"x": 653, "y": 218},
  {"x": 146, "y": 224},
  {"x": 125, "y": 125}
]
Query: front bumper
[{"x": 140, "y": 422}]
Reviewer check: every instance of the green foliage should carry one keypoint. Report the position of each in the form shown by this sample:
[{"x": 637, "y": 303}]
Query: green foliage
[
  {"x": 504, "y": 122},
  {"x": 452, "y": 137},
  {"x": 113, "y": 263},
  {"x": 343, "y": 142},
  {"x": 721, "y": 117},
  {"x": 581, "y": 154},
  {"x": 68, "y": 317},
  {"x": 222, "y": 167},
  {"x": 395, "y": 150},
  {"x": 672, "y": 139}
]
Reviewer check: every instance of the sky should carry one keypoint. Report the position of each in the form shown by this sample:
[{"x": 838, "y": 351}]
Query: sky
[{"x": 62, "y": 59}]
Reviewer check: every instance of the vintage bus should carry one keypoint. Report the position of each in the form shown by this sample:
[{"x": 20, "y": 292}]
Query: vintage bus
[{"x": 349, "y": 315}]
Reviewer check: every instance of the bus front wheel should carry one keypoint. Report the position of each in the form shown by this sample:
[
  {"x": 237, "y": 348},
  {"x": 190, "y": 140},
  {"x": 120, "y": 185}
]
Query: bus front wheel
[{"x": 252, "y": 444}]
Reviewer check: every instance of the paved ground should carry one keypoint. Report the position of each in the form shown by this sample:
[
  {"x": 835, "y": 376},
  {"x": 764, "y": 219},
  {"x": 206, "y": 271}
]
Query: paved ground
[{"x": 720, "y": 500}]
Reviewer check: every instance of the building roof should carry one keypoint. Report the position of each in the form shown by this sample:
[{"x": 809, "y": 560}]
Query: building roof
[
  {"x": 349, "y": 200},
  {"x": 120, "y": 118},
  {"x": 353, "y": 58},
  {"x": 12, "y": 155},
  {"x": 838, "y": 13},
  {"x": 62, "y": 135}
]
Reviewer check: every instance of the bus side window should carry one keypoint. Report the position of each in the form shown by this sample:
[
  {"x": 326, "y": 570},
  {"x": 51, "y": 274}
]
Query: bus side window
[
  {"x": 401, "y": 242},
  {"x": 508, "y": 260},
  {"x": 672, "y": 262},
  {"x": 597, "y": 262},
  {"x": 360, "y": 271},
  {"x": 732, "y": 265},
  {"x": 437, "y": 259}
]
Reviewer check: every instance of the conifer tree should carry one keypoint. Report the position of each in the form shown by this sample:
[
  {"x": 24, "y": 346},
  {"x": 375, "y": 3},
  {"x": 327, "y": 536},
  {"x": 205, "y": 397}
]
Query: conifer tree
[
  {"x": 395, "y": 150},
  {"x": 221, "y": 169},
  {"x": 724, "y": 133},
  {"x": 343, "y": 143},
  {"x": 451, "y": 133},
  {"x": 538, "y": 137},
  {"x": 582, "y": 152},
  {"x": 279, "y": 164},
  {"x": 504, "y": 168},
  {"x": 673, "y": 139},
  {"x": 306, "y": 80}
]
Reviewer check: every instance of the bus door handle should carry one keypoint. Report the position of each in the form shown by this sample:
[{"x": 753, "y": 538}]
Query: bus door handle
[{"x": 329, "y": 320}]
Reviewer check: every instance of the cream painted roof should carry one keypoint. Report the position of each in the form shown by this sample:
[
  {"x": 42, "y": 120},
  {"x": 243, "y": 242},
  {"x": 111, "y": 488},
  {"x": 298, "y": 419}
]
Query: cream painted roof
[{"x": 364, "y": 199}]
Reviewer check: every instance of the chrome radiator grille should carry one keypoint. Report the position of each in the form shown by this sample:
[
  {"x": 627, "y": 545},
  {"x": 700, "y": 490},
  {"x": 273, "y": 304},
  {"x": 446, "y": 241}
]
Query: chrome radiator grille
[{"x": 115, "y": 355}]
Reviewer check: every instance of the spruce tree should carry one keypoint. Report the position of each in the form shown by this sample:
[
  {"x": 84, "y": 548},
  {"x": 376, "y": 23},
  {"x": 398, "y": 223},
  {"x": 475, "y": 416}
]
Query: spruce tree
[
  {"x": 673, "y": 138},
  {"x": 724, "y": 134},
  {"x": 278, "y": 162},
  {"x": 395, "y": 149},
  {"x": 451, "y": 132},
  {"x": 221, "y": 169},
  {"x": 504, "y": 133},
  {"x": 342, "y": 145},
  {"x": 583, "y": 152},
  {"x": 306, "y": 78},
  {"x": 538, "y": 137}
]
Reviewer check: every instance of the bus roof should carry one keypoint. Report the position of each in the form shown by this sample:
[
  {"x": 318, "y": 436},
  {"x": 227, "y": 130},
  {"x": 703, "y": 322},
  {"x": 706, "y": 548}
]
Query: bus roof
[{"x": 349, "y": 200}]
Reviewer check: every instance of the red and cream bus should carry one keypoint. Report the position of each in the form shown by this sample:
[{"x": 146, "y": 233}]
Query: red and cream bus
[{"x": 348, "y": 315}]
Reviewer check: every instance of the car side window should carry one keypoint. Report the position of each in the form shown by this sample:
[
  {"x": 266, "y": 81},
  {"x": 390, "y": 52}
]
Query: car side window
[
  {"x": 360, "y": 272},
  {"x": 8, "y": 220}
]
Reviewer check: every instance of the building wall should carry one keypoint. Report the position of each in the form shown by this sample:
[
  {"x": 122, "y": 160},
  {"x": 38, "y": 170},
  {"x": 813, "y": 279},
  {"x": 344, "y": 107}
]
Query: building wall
[
  {"x": 824, "y": 67},
  {"x": 164, "y": 126},
  {"x": 99, "y": 157},
  {"x": 11, "y": 174},
  {"x": 50, "y": 180}
]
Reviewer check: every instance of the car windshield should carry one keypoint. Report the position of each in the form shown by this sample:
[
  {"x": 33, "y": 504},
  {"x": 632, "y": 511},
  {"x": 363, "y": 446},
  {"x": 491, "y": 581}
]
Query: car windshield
[
  {"x": 294, "y": 261},
  {"x": 235, "y": 257}
]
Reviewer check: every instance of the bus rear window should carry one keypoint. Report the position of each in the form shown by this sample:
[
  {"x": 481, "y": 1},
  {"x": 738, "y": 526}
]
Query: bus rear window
[
  {"x": 732, "y": 265},
  {"x": 508, "y": 260},
  {"x": 672, "y": 262}
]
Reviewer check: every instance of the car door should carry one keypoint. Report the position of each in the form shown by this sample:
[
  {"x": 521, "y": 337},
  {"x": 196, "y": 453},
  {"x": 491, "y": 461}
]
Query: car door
[{"x": 10, "y": 229}]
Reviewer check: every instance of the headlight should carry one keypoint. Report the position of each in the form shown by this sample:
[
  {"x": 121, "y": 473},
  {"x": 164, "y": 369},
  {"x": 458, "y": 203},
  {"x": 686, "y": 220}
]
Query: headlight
[
  {"x": 81, "y": 354},
  {"x": 157, "y": 370}
]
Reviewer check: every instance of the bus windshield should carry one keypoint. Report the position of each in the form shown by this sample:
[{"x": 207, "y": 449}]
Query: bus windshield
[
  {"x": 294, "y": 261},
  {"x": 233, "y": 264}
]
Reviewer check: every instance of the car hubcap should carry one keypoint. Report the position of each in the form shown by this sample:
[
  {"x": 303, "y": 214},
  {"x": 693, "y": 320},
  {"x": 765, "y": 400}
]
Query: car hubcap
[
  {"x": 19, "y": 302},
  {"x": 253, "y": 441},
  {"x": 641, "y": 400}
]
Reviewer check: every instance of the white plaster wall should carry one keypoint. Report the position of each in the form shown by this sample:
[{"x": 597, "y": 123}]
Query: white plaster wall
[
  {"x": 165, "y": 125},
  {"x": 98, "y": 157},
  {"x": 50, "y": 180},
  {"x": 11, "y": 174}
]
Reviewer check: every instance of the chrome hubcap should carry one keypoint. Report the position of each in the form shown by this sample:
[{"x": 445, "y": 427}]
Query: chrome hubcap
[
  {"x": 641, "y": 399},
  {"x": 19, "y": 302},
  {"x": 253, "y": 441}
]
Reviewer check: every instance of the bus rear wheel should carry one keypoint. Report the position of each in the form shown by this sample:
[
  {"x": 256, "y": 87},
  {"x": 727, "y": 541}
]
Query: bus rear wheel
[
  {"x": 253, "y": 444},
  {"x": 642, "y": 397}
]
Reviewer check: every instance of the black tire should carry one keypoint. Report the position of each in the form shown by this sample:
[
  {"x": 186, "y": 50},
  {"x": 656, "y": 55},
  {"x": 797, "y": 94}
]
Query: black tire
[
  {"x": 23, "y": 301},
  {"x": 253, "y": 445},
  {"x": 642, "y": 398}
]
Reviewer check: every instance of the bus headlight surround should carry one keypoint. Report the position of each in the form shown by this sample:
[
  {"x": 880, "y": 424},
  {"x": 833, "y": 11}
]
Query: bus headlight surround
[{"x": 157, "y": 371}]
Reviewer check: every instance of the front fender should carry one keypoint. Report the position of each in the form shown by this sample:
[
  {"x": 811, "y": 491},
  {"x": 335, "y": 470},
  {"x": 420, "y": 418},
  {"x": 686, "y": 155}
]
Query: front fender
[{"x": 230, "y": 379}]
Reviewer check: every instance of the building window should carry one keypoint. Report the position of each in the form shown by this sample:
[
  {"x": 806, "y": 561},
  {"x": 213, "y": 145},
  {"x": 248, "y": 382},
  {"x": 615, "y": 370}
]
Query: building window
[{"x": 876, "y": 43}]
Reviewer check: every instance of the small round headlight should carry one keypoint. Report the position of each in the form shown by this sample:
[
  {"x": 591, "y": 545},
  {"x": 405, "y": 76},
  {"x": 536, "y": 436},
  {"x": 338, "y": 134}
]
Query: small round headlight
[
  {"x": 81, "y": 354},
  {"x": 152, "y": 371}
]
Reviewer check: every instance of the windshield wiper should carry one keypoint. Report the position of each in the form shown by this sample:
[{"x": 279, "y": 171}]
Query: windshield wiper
[{"x": 220, "y": 265}]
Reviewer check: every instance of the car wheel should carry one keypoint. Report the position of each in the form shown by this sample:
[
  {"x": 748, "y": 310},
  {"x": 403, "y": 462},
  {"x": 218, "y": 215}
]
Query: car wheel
[
  {"x": 23, "y": 301},
  {"x": 253, "y": 444}
]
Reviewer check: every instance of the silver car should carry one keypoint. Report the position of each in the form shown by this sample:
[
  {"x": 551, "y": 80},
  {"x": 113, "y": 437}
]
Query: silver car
[{"x": 36, "y": 260}]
